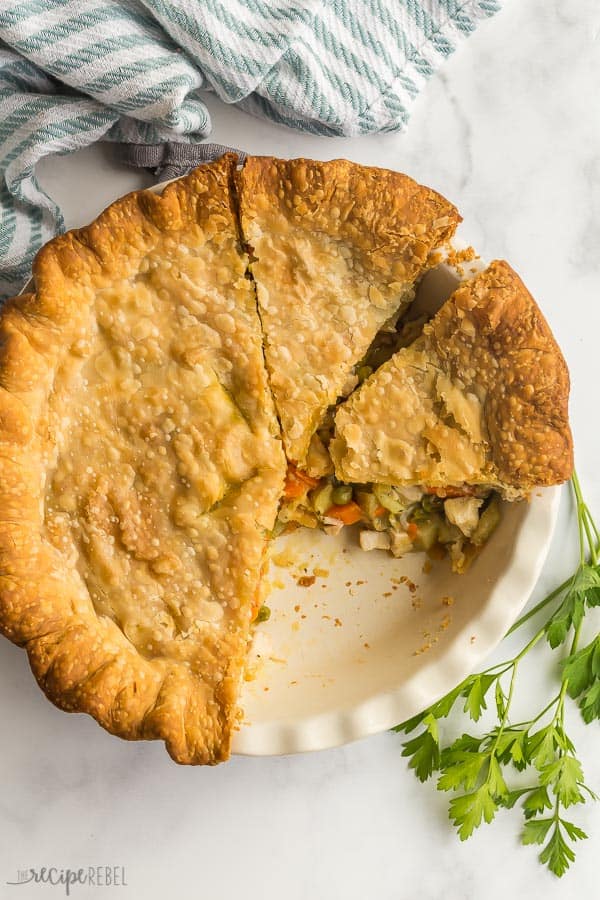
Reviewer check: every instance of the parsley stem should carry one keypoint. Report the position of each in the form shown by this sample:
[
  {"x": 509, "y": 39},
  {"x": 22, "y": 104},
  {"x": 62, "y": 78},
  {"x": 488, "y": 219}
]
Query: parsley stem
[
  {"x": 531, "y": 722},
  {"x": 530, "y": 645},
  {"x": 593, "y": 524},
  {"x": 589, "y": 535},
  {"x": 556, "y": 816},
  {"x": 588, "y": 790},
  {"x": 510, "y": 664},
  {"x": 514, "y": 664},
  {"x": 589, "y": 522},
  {"x": 581, "y": 541},
  {"x": 584, "y": 520},
  {"x": 541, "y": 605},
  {"x": 491, "y": 669},
  {"x": 565, "y": 681},
  {"x": 511, "y": 690}
]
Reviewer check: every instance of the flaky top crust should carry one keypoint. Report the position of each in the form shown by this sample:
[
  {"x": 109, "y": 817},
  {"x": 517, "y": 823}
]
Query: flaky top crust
[
  {"x": 81, "y": 365},
  {"x": 482, "y": 397},
  {"x": 337, "y": 248},
  {"x": 390, "y": 221}
]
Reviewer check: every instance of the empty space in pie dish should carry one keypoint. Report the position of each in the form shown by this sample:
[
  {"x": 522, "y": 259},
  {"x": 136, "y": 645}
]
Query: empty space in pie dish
[{"x": 358, "y": 642}]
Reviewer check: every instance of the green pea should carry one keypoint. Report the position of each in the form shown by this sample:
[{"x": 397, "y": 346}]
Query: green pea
[
  {"x": 263, "y": 615},
  {"x": 342, "y": 494}
]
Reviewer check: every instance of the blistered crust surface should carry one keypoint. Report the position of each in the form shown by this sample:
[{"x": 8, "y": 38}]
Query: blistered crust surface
[
  {"x": 336, "y": 250},
  {"x": 480, "y": 397},
  {"x": 139, "y": 468}
]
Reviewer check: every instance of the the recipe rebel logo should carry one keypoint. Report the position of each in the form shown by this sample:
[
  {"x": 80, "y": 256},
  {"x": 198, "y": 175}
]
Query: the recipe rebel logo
[{"x": 67, "y": 879}]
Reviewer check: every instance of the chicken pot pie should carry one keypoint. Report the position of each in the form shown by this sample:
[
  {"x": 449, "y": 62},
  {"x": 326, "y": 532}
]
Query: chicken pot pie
[
  {"x": 141, "y": 463},
  {"x": 336, "y": 250},
  {"x": 140, "y": 468},
  {"x": 475, "y": 408}
]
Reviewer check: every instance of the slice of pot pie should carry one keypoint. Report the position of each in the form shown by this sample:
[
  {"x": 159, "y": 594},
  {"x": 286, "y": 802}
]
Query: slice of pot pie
[
  {"x": 475, "y": 409},
  {"x": 336, "y": 249},
  {"x": 140, "y": 468}
]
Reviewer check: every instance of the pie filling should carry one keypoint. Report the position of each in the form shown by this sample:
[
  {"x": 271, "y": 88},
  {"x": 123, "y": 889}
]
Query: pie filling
[{"x": 456, "y": 521}]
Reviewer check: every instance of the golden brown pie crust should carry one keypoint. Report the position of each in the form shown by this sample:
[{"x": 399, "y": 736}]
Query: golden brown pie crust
[
  {"x": 480, "y": 397},
  {"x": 140, "y": 473},
  {"x": 336, "y": 249}
]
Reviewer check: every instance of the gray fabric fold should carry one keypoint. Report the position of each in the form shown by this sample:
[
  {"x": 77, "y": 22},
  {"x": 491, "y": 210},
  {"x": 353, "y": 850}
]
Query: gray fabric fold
[{"x": 171, "y": 159}]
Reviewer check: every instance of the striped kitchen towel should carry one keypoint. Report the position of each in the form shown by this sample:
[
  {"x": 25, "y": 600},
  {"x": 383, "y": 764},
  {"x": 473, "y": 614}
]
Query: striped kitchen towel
[{"x": 134, "y": 71}]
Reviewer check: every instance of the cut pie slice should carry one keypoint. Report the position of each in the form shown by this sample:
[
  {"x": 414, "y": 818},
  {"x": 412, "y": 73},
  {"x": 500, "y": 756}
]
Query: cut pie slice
[
  {"x": 478, "y": 403},
  {"x": 336, "y": 249},
  {"x": 140, "y": 468}
]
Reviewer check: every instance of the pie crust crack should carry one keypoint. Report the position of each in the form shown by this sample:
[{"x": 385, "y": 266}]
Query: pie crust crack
[{"x": 140, "y": 467}]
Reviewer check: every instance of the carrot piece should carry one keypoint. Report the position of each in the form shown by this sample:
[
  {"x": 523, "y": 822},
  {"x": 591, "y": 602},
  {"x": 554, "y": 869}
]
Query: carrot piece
[
  {"x": 298, "y": 483},
  {"x": 412, "y": 530},
  {"x": 380, "y": 511},
  {"x": 294, "y": 488},
  {"x": 348, "y": 513},
  {"x": 256, "y": 603}
]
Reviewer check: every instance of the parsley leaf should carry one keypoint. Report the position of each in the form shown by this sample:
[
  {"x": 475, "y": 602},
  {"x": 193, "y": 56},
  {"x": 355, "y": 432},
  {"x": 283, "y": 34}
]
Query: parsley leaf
[
  {"x": 475, "y": 694},
  {"x": 557, "y": 854},
  {"x": 581, "y": 671},
  {"x": 564, "y": 776},
  {"x": 467, "y": 811},
  {"x": 536, "y": 802},
  {"x": 541, "y": 746},
  {"x": 461, "y": 769},
  {"x": 535, "y": 832},
  {"x": 583, "y": 590},
  {"x": 424, "y": 750},
  {"x": 511, "y": 747},
  {"x": 500, "y": 698}
]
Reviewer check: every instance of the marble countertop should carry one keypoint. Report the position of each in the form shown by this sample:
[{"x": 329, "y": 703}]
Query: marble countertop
[{"x": 509, "y": 130}]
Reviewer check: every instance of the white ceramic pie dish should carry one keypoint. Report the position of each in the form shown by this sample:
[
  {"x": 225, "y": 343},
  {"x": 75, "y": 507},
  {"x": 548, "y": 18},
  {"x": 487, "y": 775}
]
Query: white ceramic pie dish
[
  {"x": 375, "y": 639},
  {"x": 321, "y": 685}
]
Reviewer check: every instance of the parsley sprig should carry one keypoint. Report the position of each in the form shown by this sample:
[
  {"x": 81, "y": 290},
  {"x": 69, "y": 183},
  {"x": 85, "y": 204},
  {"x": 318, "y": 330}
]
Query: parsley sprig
[{"x": 478, "y": 768}]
